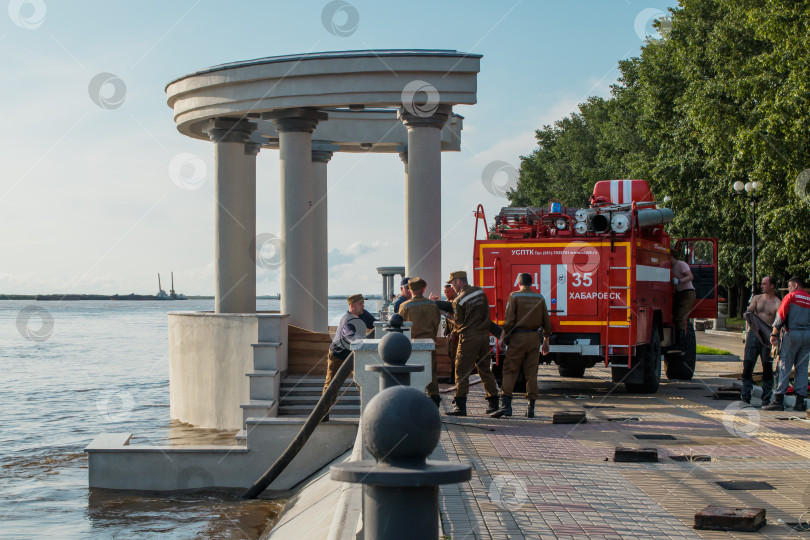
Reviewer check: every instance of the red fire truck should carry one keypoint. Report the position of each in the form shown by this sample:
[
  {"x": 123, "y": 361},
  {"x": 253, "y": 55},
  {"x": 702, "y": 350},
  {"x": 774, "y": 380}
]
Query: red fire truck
[{"x": 605, "y": 273}]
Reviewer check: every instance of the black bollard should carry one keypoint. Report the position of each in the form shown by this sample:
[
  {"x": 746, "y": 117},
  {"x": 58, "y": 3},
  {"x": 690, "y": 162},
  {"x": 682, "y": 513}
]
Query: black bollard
[
  {"x": 394, "y": 350},
  {"x": 401, "y": 427},
  {"x": 395, "y": 324}
]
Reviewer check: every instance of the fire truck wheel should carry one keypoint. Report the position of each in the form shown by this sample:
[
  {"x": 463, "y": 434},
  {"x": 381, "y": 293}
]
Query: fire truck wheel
[
  {"x": 682, "y": 367},
  {"x": 520, "y": 382},
  {"x": 571, "y": 371},
  {"x": 650, "y": 357}
]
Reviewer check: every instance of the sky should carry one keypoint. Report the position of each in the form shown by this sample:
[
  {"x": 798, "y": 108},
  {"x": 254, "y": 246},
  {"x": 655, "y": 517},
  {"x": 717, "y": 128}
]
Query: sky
[{"x": 87, "y": 201}]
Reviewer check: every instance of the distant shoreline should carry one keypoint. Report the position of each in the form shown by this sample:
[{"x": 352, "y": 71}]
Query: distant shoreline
[{"x": 79, "y": 297}]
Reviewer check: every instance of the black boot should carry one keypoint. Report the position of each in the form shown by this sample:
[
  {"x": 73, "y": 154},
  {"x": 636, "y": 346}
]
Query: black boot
[
  {"x": 800, "y": 404},
  {"x": 436, "y": 400},
  {"x": 493, "y": 404},
  {"x": 767, "y": 391},
  {"x": 506, "y": 408},
  {"x": 459, "y": 407},
  {"x": 778, "y": 403},
  {"x": 530, "y": 410}
]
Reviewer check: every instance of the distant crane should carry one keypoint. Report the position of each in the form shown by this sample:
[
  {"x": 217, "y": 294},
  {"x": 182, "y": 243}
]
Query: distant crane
[
  {"x": 173, "y": 295},
  {"x": 161, "y": 295}
]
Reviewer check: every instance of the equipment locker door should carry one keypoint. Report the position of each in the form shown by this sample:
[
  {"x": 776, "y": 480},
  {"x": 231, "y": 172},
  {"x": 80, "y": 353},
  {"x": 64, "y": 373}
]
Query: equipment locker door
[{"x": 701, "y": 256}]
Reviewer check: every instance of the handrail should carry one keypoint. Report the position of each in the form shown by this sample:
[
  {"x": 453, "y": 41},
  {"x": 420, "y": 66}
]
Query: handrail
[
  {"x": 479, "y": 214},
  {"x": 632, "y": 322},
  {"x": 315, "y": 417},
  {"x": 498, "y": 270}
]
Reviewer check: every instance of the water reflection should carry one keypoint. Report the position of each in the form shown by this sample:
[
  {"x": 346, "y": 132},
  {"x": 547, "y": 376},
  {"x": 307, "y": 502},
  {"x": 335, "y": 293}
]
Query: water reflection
[
  {"x": 189, "y": 514},
  {"x": 105, "y": 369},
  {"x": 182, "y": 434},
  {"x": 209, "y": 513}
]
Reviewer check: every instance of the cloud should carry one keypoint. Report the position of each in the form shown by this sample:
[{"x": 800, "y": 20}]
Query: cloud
[
  {"x": 561, "y": 109},
  {"x": 338, "y": 257}
]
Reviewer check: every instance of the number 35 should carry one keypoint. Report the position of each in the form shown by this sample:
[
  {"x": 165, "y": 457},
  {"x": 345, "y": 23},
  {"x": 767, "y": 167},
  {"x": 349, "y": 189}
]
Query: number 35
[{"x": 580, "y": 279}]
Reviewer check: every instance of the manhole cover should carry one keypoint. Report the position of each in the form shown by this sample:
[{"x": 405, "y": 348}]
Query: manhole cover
[
  {"x": 747, "y": 485},
  {"x": 599, "y": 406},
  {"x": 696, "y": 457},
  {"x": 689, "y": 387},
  {"x": 729, "y": 395},
  {"x": 655, "y": 436},
  {"x": 623, "y": 419}
]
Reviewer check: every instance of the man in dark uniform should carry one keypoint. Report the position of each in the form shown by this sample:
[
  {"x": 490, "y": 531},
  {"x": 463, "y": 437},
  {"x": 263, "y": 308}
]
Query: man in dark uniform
[
  {"x": 526, "y": 316},
  {"x": 471, "y": 312},
  {"x": 450, "y": 331},
  {"x": 404, "y": 294},
  {"x": 354, "y": 325},
  {"x": 425, "y": 317}
]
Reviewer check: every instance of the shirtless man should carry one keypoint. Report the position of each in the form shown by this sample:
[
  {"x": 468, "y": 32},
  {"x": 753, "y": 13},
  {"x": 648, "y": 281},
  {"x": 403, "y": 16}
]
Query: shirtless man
[{"x": 764, "y": 306}]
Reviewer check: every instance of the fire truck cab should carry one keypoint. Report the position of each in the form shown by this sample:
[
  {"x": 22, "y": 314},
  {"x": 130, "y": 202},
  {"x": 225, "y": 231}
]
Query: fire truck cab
[{"x": 605, "y": 274}]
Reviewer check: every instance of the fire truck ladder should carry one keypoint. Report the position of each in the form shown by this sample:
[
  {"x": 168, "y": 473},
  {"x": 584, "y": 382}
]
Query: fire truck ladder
[
  {"x": 496, "y": 271},
  {"x": 497, "y": 266},
  {"x": 620, "y": 312}
]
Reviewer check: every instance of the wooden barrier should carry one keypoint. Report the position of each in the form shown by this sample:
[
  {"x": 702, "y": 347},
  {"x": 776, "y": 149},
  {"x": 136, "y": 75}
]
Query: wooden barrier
[
  {"x": 444, "y": 367},
  {"x": 307, "y": 351}
]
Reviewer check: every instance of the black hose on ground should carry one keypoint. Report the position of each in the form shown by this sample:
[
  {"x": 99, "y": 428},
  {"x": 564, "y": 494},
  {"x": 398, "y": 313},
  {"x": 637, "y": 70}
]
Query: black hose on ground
[{"x": 315, "y": 417}]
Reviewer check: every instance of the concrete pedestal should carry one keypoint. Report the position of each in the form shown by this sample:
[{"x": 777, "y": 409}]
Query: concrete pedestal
[{"x": 209, "y": 357}]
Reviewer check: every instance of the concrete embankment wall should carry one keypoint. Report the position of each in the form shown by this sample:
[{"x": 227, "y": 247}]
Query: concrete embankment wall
[
  {"x": 322, "y": 508},
  {"x": 209, "y": 357}
]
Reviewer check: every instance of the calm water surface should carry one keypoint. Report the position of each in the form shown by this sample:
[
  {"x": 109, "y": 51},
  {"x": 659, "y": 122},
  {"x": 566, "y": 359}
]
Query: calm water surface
[{"x": 72, "y": 370}]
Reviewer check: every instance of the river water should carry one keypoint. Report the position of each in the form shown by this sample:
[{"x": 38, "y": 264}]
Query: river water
[{"x": 74, "y": 369}]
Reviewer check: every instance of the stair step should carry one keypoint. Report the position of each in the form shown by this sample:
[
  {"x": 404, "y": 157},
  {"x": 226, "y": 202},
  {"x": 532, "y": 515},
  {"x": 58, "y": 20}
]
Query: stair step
[
  {"x": 293, "y": 379},
  {"x": 273, "y": 344},
  {"x": 294, "y": 400},
  {"x": 299, "y": 377},
  {"x": 305, "y": 410},
  {"x": 316, "y": 392},
  {"x": 285, "y": 389},
  {"x": 310, "y": 384},
  {"x": 263, "y": 373},
  {"x": 256, "y": 403}
]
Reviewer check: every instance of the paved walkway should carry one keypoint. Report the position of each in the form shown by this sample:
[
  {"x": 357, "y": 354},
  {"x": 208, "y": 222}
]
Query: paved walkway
[{"x": 533, "y": 479}]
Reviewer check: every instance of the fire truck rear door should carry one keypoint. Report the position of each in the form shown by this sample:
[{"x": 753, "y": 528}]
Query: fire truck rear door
[{"x": 701, "y": 256}]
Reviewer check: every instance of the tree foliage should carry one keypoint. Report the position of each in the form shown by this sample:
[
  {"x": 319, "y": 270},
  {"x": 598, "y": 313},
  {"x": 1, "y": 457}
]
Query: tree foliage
[{"x": 723, "y": 97}]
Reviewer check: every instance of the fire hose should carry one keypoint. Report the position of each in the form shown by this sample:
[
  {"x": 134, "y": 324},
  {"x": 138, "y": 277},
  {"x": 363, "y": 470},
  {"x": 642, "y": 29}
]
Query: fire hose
[{"x": 323, "y": 406}]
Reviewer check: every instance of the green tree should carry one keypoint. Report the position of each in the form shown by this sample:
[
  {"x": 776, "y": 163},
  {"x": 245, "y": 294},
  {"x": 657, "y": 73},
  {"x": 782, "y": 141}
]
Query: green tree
[{"x": 723, "y": 98}]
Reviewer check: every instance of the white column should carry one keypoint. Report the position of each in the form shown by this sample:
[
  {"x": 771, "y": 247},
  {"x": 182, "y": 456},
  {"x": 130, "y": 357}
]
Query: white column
[
  {"x": 295, "y": 127},
  {"x": 321, "y": 154},
  {"x": 423, "y": 191},
  {"x": 235, "y": 216}
]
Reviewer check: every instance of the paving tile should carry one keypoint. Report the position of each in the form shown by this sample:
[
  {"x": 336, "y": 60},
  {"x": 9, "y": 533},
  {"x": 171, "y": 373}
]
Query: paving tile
[{"x": 537, "y": 480}]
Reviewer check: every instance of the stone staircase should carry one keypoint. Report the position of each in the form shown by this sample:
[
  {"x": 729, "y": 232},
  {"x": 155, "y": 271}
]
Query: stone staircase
[
  {"x": 269, "y": 367},
  {"x": 300, "y": 394},
  {"x": 275, "y": 394}
]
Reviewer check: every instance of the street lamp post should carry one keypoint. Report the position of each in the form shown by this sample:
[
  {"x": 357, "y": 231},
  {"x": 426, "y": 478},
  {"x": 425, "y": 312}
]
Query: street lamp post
[{"x": 750, "y": 188}]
